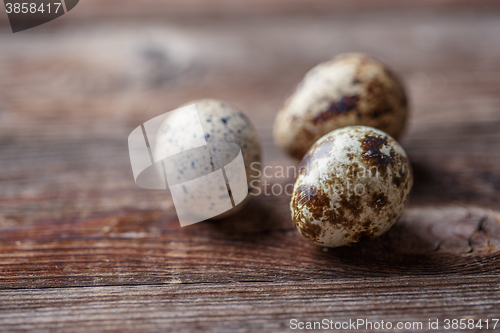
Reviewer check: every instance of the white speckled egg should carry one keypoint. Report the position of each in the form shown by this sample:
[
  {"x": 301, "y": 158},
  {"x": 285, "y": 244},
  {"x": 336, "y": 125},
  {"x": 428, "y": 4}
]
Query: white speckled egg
[
  {"x": 204, "y": 145},
  {"x": 351, "y": 89},
  {"x": 352, "y": 184}
]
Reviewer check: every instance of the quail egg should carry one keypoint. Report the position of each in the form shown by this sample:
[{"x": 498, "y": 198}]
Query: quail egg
[
  {"x": 210, "y": 152},
  {"x": 352, "y": 184},
  {"x": 351, "y": 89}
]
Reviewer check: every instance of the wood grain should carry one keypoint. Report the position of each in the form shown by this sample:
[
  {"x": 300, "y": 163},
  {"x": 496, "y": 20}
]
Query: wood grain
[
  {"x": 83, "y": 249},
  {"x": 230, "y": 307}
]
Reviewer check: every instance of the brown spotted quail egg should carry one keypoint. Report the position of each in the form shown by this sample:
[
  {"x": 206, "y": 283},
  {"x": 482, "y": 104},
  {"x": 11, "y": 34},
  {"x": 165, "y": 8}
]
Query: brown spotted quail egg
[
  {"x": 351, "y": 89},
  {"x": 196, "y": 145},
  {"x": 352, "y": 184}
]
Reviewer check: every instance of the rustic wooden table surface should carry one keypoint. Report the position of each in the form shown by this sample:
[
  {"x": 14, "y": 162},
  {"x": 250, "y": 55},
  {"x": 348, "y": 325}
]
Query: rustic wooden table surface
[{"x": 83, "y": 249}]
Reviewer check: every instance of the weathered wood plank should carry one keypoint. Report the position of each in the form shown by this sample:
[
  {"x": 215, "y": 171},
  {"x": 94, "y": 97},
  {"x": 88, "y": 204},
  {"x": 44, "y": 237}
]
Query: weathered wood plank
[{"x": 249, "y": 306}]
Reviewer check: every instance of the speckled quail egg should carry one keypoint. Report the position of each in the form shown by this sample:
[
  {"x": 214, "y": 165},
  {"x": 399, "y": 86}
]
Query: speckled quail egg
[
  {"x": 351, "y": 89},
  {"x": 222, "y": 121},
  {"x": 211, "y": 153},
  {"x": 352, "y": 184}
]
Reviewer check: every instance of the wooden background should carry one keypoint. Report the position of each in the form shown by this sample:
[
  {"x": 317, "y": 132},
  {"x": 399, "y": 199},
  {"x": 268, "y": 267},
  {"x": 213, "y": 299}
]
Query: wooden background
[{"x": 83, "y": 249}]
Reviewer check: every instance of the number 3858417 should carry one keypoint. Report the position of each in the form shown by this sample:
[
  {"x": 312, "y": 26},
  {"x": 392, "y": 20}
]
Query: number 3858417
[{"x": 32, "y": 8}]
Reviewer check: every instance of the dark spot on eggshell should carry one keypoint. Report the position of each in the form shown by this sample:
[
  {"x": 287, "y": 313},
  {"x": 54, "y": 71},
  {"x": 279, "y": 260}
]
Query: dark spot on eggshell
[
  {"x": 311, "y": 231},
  {"x": 346, "y": 216},
  {"x": 351, "y": 204},
  {"x": 366, "y": 223},
  {"x": 352, "y": 171},
  {"x": 375, "y": 87},
  {"x": 371, "y": 152},
  {"x": 379, "y": 101},
  {"x": 362, "y": 236},
  {"x": 344, "y": 105},
  {"x": 379, "y": 201},
  {"x": 398, "y": 179},
  {"x": 314, "y": 199},
  {"x": 379, "y": 112}
]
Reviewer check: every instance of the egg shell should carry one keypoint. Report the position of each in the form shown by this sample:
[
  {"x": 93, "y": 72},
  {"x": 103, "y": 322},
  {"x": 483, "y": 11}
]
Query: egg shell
[
  {"x": 221, "y": 123},
  {"x": 352, "y": 184},
  {"x": 351, "y": 89}
]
